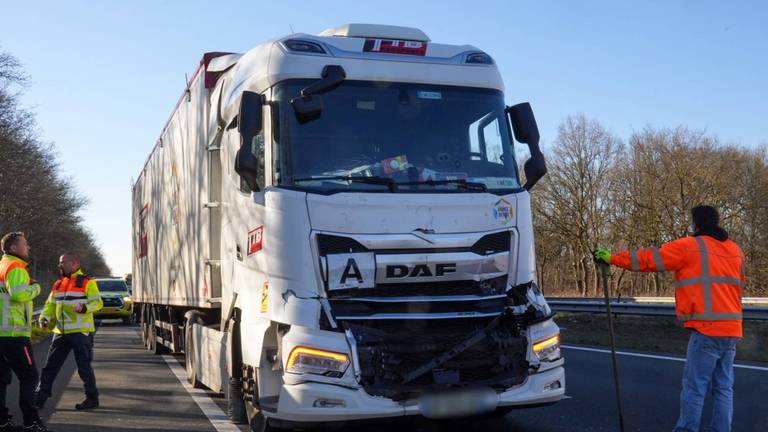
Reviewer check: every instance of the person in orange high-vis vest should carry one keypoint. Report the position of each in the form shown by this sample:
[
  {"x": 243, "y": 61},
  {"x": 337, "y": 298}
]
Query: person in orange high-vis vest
[
  {"x": 709, "y": 277},
  {"x": 69, "y": 310}
]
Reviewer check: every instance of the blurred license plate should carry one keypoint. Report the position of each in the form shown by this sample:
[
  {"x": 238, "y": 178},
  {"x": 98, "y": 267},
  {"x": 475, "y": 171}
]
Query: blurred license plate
[{"x": 461, "y": 403}]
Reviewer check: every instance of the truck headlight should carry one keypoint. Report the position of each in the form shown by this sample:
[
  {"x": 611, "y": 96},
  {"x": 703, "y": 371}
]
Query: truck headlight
[
  {"x": 316, "y": 361},
  {"x": 548, "y": 349}
]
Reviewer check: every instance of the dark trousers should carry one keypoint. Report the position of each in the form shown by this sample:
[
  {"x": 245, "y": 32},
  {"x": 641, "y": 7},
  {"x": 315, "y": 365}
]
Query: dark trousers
[
  {"x": 82, "y": 346},
  {"x": 16, "y": 355}
]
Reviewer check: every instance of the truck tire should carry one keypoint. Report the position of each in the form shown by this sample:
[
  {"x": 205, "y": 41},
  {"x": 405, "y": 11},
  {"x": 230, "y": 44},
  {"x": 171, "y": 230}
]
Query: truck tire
[
  {"x": 236, "y": 402},
  {"x": 153, "y": 345},
  {"x": 143, "y": 324},
  {"x": 256, "y": 419},
  {"x": 190, "y": 356}
]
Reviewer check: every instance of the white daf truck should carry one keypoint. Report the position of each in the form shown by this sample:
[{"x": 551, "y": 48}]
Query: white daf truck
[{"x": 332, "y": 228}]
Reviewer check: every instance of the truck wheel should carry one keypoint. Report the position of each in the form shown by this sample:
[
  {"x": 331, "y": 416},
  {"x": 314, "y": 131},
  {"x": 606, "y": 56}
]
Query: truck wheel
[
  {"x": 236, "y": 402},
  {"x": 189, "y": 357},
  {"x": 256, "y": 419},
  {"x": 154, "y": 346},
  {"x": 145, "y": 327}
]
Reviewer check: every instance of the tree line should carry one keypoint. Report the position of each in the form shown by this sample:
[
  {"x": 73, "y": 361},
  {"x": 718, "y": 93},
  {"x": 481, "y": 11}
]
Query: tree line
[
  {"x": 604, "y": 191},
  {"x": 35, "y": 197}
]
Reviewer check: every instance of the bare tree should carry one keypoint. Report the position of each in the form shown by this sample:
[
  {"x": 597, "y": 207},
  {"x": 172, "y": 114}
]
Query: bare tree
[
  {"x": 601, "y": 193},
  {"x": 573, "y": 200},
  {"x": 34, "y": 196}
]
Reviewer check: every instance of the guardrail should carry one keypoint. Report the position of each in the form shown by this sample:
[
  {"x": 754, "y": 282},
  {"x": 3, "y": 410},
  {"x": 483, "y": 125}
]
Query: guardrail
[
  {"x": 633, "y": 306},
  {"x": 747, "y": 301}
]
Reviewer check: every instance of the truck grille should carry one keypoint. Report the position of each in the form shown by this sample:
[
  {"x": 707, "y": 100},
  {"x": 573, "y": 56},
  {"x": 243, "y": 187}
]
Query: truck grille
[
  {"x": 389, "y": 351},
  {"x": 486, "y": 245},
  {"x": 453, "y": 288}
]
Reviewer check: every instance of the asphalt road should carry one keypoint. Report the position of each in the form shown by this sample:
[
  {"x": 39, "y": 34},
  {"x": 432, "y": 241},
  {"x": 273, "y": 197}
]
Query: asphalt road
[{"x": 140, "y": 392}]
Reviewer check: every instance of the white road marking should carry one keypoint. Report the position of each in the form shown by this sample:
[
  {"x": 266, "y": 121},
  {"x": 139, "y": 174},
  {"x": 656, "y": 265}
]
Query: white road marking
[
  {"x": 658, "y": 357},
  {"x": 215, "y": 415}
]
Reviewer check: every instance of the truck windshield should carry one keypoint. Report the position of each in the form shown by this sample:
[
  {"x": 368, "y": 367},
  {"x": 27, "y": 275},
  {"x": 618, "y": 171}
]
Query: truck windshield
[{"x": 420, "y": 137}]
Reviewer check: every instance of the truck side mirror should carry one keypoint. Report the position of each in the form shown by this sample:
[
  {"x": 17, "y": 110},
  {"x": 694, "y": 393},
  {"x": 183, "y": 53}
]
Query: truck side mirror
[
  {"x": 249, "y": 124},
  {"x": 527, "y": 132},
  {"x": 309, "y": 105}
]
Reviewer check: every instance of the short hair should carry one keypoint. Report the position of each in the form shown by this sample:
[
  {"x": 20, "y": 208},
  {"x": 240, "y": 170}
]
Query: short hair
[
  {"x": 9, "y": 240},
  {"x": 71, "y": 255}
]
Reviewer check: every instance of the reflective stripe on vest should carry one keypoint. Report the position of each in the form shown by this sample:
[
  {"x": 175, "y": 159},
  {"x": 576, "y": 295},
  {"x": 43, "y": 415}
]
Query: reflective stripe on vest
[
  {"x": 65, "y": 292},
  {"x": 657, "y": 259},
  {"x": 706, "y": 280},
  {"x": 8, "y": 309},
  {"x": 634, "y": 260}
]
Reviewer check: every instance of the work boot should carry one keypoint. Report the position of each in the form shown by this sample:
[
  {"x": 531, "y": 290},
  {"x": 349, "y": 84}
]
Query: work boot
[
  {"x": 36, "y": 426},
  {"x": 88, "y": 403},
  {"x": 8, "y": 425}
]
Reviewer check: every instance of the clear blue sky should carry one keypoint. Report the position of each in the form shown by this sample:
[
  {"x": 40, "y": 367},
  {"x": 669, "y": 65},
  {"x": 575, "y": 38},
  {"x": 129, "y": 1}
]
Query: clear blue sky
[{"x": 106, "y": 74}]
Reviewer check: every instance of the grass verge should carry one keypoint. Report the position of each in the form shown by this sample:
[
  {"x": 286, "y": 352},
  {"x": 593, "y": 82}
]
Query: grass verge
[{"x": 653, "y": 334}]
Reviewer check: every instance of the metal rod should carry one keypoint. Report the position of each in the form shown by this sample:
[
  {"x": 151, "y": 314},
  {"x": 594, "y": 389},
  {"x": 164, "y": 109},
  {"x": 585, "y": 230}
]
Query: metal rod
[{"x": 605, "y": 271}]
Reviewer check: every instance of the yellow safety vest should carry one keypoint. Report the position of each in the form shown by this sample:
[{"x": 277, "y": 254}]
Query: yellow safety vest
[
  {"x": 67, "y": 293},
  {"x": 16, "y": 295}
]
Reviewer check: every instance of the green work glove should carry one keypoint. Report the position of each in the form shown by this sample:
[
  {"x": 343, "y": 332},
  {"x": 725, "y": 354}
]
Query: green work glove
[{"x": 602, "y": 255}]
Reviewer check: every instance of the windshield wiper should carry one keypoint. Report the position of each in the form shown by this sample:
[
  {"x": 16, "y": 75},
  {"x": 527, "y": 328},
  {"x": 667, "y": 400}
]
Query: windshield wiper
[
  {"x": 460, "y": 184},
  {"x": 384, "y": 181}
]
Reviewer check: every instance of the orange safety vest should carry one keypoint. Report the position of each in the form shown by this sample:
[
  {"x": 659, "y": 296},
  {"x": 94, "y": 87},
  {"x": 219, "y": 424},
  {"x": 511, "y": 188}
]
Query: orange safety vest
[
  {"x": 70, "y": 290},
  {"x": 6, "y": 266},
  {"x": 709, "y": 276}
]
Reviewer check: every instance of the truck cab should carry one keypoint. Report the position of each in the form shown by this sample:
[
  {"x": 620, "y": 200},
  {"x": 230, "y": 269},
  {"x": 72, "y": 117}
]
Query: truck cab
[{"x": 364, "y": 244}]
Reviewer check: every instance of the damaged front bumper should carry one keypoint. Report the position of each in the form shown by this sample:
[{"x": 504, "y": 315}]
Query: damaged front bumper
[
  {"x": 395, "y": 365},
  {"x": 310, "y": 402}
]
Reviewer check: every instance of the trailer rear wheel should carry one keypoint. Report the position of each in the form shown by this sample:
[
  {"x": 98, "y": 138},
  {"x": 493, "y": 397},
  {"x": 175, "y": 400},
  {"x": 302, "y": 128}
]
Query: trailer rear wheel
[
  {"x": 144, "y": 322},
  {"x": 191, "y": 360},
  {"x": 153, "y": 345}
]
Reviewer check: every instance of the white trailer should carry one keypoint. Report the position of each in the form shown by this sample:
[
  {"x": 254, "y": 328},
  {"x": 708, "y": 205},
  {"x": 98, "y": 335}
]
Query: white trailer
[{"x": 332, "y": 228}]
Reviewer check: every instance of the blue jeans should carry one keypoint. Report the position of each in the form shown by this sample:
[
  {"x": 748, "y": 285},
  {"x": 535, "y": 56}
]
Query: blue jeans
[{"x": 709, "y": 364}]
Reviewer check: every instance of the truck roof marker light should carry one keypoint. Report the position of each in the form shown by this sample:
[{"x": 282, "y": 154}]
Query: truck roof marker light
[
  {"x": 479, "y": 58},
  {"x": 304, "y": 46},
  {"x": 546, "y": 343}
]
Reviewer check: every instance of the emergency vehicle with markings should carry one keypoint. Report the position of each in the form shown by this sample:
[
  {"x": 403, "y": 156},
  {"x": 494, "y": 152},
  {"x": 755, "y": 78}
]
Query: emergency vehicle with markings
[{"x": 333, "y": 228}]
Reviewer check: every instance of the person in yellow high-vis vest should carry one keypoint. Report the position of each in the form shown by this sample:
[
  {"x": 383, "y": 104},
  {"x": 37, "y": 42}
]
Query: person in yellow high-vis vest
[
  {"x": 69, "y": 308},
  {"x": 17, "y": 290}
]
